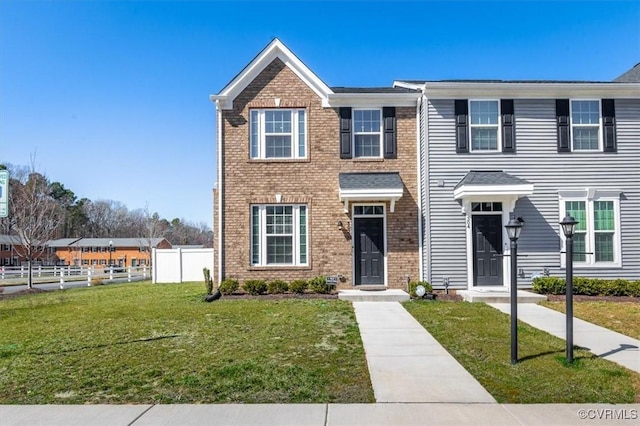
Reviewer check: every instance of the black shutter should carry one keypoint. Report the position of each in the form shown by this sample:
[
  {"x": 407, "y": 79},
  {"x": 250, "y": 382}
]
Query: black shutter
[
  {"x": 462, "y": 121},
  {"x": 609, "y": 121},
  {"x": 345, "y": 133},
  {"x": 562, "y": 114},
  {"x": 508, "y": 126},
  {"x": 389, "y": 120}
]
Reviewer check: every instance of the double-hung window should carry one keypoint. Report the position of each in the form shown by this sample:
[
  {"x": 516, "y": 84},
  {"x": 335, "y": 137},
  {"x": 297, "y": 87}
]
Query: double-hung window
[
  {"x": 597, "y": 235},
  {"x": 484, "y": 125},
  {"x": 278, "y": 133},
  {"x": 279, "y": 235},
  {"x": 367, "y": 132},
  {"x": 585, "y": 125}
]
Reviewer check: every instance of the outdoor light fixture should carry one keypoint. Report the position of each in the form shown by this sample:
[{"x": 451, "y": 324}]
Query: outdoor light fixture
[
  {"x": 513, "y": 231},
  {"x": 340, "y": 225},
  {"x": 110, "y": 250},
  {"x": 568, "y": 228}
]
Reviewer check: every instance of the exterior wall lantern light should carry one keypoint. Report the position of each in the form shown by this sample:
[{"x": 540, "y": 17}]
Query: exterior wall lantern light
[
  {"x": 340, "y": 225},
  {"x": 514, "y": 227},
  {"x": 568, "y": 228}
]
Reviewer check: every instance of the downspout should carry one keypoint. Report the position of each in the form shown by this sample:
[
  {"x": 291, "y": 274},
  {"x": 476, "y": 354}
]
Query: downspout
[
  {"x": 220, "y": 187},
  {"x": 419, "y": 178},
  {"x": 427, "y": 200}
]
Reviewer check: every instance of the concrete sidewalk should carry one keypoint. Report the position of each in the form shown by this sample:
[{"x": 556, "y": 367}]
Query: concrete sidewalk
[
  {"x": 602, "y": 342},
  {"x": 320, "y": 414},
  {"x": 406, "y": 363}
]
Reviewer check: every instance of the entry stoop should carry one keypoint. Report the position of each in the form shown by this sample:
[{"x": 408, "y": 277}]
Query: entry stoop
[
  {"x": 388, "y": 295},
  {"x": 499, "y": 296}
]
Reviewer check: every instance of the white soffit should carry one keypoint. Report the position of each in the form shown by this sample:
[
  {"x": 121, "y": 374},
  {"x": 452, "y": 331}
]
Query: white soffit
[{"x": 481, "y": 191}]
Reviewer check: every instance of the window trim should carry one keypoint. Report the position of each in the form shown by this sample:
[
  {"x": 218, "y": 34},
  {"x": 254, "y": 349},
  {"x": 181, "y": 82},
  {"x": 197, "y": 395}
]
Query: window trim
[
  {"x": 588, "y": 197},
  {"x": 498, "y": 127},
  {"x": 354, "y": 133},
  {"x": 295, "y": 134},
  {"x": 262, "y": 237},
  {"x": 572, "y": 125}
]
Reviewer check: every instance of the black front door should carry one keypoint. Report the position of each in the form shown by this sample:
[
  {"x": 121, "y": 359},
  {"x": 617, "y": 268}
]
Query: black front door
[
  {"x": 369, "y": 251},
  {"x": 487, "y": 250}
]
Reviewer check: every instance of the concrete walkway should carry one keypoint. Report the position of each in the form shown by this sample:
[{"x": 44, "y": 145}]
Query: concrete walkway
[
  {"x": 320, "y": 414},
  {"x": 602, "y": 342},
  {"x": 406, "y": 363}
]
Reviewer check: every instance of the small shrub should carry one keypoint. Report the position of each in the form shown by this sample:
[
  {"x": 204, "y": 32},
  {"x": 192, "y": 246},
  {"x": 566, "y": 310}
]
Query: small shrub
[
  {"x": 208, "y": 282},
  {"x": 549, "y": 285},
  {"x": 298, "y": 286},
  {"x": 277, "y": 287},
  {"x": 255, "y": 287},
  {"x": 319, "y": 285},
  {"x": 414, "y": 284},
  {"x": 96, "y": 281},
  {"x": 228, "y": 286}
]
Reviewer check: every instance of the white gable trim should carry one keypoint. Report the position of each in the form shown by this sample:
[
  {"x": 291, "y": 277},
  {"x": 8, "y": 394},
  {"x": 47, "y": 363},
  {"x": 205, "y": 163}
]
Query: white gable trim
[{"x": 275, "y": 49}]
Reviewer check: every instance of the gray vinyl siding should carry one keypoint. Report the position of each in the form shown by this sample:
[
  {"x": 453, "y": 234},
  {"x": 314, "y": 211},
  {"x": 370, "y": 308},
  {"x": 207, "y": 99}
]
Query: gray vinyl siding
[{"x": 536, "y": 160}]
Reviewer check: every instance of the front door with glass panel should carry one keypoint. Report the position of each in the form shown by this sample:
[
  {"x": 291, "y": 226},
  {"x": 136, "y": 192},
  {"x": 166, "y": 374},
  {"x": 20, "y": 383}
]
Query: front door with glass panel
[
  {"x": 369, "y": 245},
  {"x": 487, "y": 250}
]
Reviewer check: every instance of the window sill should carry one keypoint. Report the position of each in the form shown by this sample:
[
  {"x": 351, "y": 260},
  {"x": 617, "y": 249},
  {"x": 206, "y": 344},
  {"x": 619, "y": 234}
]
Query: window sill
[
  {"x": 278, "y": 160},
  {"x": 280, "y": 268},
  {"x": 368, "y": 159}
]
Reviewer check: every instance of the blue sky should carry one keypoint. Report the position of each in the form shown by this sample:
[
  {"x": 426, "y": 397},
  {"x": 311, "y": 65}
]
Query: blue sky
[{"x": 112, "y": 97}]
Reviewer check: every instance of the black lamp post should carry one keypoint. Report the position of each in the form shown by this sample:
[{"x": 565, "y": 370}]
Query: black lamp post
[
  {"x": 513, "y": 231},
  {"x": 568, "y": 228},
  {"x": 110, "y": 250}
]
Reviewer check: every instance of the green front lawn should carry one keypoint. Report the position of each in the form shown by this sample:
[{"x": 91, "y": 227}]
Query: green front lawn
[
  {"x": 144, "y": 343},
  {"x": 478, "y": 336},
  {"x": 623, "y": 317}
]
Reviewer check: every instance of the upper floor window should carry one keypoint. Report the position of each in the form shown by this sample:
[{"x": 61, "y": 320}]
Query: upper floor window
[
  {"x": 367, "y": 132},
  {"x": 585, "y": 125},
  {"x": 278, "y": 133},
  {"x": 597, "y": 235},
  {"x": 484, "y": 125}
]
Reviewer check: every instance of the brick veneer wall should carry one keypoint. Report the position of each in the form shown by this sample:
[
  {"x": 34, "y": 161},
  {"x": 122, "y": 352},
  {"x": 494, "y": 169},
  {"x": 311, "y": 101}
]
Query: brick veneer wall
[{"x": 313, "y": 181}]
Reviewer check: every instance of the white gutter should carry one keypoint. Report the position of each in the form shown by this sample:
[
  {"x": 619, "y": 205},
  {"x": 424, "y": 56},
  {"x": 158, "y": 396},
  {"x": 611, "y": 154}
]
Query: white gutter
[{"x": 530, "y": 90}]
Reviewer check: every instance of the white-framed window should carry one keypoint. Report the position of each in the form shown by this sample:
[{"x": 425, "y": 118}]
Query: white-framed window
[
  {"x": 278, "y": 133},
  {"x": 279, "y": 235},
  {"x": 585, "y": 125},
  {"x": 484, "y": 125},
  {"x": 367, "y": 133},
  {"x": 596, "y": 241}
]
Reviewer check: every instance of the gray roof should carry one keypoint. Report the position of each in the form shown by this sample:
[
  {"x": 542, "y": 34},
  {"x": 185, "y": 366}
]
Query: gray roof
[
  {"x": 9, "y": 239},
  {"x": 631, "y": 76},
  {"x": 490, "y": 177},
  {"x": 383, "y": 180},
  {"x": 104, "y": 242},
  {"x": 503, "y": 81},
  {"x": 373, "y": 90}
]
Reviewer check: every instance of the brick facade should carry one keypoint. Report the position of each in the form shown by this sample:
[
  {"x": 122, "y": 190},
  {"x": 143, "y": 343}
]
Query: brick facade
[{"x": 312, "y": 181}]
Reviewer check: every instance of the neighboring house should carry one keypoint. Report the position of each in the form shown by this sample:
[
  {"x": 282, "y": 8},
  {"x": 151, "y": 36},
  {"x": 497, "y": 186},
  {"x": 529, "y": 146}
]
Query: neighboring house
[
  {"x": 539, "y": 149},
  {"x": 102, "y": 252},
  {"x": 383, "y": 185},
  {"x": 314, "y": 180},
  {"x": 12, "y": 252}
]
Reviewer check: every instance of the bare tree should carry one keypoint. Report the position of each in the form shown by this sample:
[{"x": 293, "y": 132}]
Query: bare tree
[{"x": 34, "y": 215}]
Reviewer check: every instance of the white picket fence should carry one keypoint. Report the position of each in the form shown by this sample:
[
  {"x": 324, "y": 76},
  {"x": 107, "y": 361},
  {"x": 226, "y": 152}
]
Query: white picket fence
[
  {"x": 180, "y": 264},
  {"x": 41, "y": 274}
]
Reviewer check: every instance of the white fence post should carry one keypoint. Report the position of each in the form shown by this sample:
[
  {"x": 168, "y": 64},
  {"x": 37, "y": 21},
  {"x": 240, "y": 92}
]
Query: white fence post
[
  {"x": 129, "y": 274},
  {"x": 61, "y": 279},
  {"x": 110, "y": 273},
  {"x": 21, "y": 271},
  {"x": 144, "y": 272},
  {"x": 88, "y": 277},
  {"x": 39, "y": 270}
]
